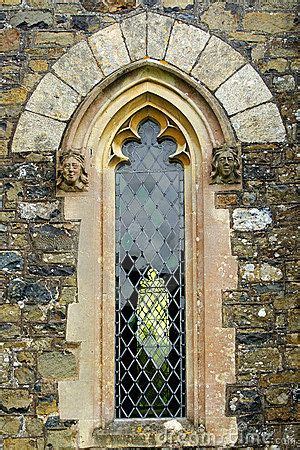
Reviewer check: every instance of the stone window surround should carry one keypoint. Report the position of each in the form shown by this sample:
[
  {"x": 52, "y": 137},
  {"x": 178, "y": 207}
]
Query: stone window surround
[
  {"x": 93, "y": 129},
  {"x": 116, "y": 50}
]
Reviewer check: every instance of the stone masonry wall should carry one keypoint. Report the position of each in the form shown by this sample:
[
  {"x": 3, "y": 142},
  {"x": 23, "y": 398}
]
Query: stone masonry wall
[{"x": 39, "y": 247}]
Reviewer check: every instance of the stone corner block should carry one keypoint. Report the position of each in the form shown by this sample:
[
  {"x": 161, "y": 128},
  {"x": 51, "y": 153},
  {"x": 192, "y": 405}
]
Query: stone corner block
[
  {"x": 217, "y": 62},
  {"x": 37, "y": 133},
  {"x": 186, "y": 43},
  {"x": 53, "y": 98},
  {"x": 109, "y": 49},
  {"x": 159, "y": 29},
  {"x": 78, "y": 68},
  {"x": 134, "y": 32},
  {"x": 243, "y": 90},
  {"x": 260, "y": 124}
]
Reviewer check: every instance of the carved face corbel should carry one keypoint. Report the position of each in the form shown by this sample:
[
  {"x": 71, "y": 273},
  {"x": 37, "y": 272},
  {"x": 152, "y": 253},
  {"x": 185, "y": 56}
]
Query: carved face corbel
[
  {"x": 225, "y": 165},
  {"x": 71, "y": 173}
]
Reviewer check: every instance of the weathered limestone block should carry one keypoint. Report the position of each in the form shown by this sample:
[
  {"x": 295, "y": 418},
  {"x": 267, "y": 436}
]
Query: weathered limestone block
[
  {"x": 62, "y": 38},
  {"x": 243, "y": 90},
  {"x": 260, "y": 124},
  {"x": 210, "y": 69},
  {"x": 57, "y": 365},
  {"x": 53, "y": 98},
  {"x": 251, "y": 219},
  {"x": 186, "y": 43},
  {"x": 134, "y": 31},
  {"x": 109, "y": 49},
  {"x": 260, "y": 272},
  {"x": 78, "y": 68},
  {"x": 10, "y": 40},
  {"x": 159, "y": 28},
  {"x": 37, "y": 133}
]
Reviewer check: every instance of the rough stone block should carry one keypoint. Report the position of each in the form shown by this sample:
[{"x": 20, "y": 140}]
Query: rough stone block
[
  {"x": 251, "y": 219},
  {"x": 57, "y": 365},
  {"x": 24, "y": 375},
  {"x": 10, "y": 313},
  {"x": 269, "y": 22},
  {"x": 15, "y": 401},
  {"x": 247, "y": 316},
  {"x": 55, "y": 237},
  {"x": 32, "y": 19},
  {"x": 11, "y": 261},
  {"x": 278, "y": 395},
  {"x": 109, "y": 49},
  {"x": 134, "y": 31},
  {"x": 260, "y": 124},
  {"x": 186, "y": 43},
  {"x": 46, "y": 405},
  {"x": 78, "y": 68},
  {"x": 19, "y": 444},
  {"x": 53, "y": 98},
  {"x": 62, "y": 438},
  {"x": 14, "y": 96},
  {"x": 46, "y": 211},
  {"x": 159, "y": 28},
  {"x": 260, "y": 272},
  {"x": 29, "y": 291},
  {"x": 218, "y": 17},
  {"x": 62, "y": 38},
  {"x": 37, "y": 133},
  {"x": 210, "y": 69},
  {"x": 243, "y": 400},
  {"x": 10, "y": 40},
  {"x": 9, "y": 425},
  {"x": 259, "y": 360},
  {"x": 243, "y": 90}
]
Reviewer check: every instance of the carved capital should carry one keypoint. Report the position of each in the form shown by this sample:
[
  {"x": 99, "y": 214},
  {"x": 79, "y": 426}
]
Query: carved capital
[
  {"x": 71, "y": 173},
  {"x": 225, "y": 165}
]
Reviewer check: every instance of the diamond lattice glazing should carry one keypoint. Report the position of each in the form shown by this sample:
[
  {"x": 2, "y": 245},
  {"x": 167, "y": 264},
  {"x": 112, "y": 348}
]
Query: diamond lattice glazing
[{"x": 150, "y": 306}]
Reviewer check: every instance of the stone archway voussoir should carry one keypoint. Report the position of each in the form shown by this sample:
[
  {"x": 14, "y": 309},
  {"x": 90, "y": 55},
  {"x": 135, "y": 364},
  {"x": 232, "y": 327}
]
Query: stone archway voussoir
[
  {"x": 243, "y": 90},
  {"x": 186, "y": 43},
  {"x": 78, "y": 68},
  {"x": 109, "y": 49},
  {"x": 210, "y": 69},
  {"x": 53, "y": 98},
  {"x": 36, "y": 133},
  {"x": 261, "y": 124}
]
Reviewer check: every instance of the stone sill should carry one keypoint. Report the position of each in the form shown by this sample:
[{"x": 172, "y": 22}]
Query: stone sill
[{"x": 130, "y": 433}]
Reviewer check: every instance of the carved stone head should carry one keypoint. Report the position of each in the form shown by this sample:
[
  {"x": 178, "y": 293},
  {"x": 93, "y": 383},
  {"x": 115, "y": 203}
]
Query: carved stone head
[
  {"x": 225, "y": 165},
  {"x": 72, "y": 176}
]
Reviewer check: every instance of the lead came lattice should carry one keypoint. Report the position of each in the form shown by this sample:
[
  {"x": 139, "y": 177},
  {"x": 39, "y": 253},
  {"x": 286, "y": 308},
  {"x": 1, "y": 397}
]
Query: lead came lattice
[{"x": 150, "y": 305}]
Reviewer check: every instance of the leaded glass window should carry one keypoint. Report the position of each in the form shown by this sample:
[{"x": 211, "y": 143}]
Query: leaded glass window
[{"x": 150, "y": 295}]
